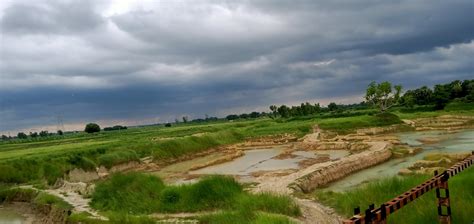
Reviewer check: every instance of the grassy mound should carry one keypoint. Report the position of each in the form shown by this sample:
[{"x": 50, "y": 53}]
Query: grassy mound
[{"x": 137, "y": 193}]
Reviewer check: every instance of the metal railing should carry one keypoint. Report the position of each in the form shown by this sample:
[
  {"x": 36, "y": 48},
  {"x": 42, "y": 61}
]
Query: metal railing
[{"x": 439, "y": 182}]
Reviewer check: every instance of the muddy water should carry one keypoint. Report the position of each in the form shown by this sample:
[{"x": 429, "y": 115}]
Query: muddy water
[
  {"x": 449, "y": 143},
  {"x": 8, "y": 216},
  {"x": 263, "y": 160}
]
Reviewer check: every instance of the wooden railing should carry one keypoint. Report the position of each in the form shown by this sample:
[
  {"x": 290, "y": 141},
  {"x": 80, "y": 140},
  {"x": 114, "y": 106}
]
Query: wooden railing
[{"x": 439, "y": 182}]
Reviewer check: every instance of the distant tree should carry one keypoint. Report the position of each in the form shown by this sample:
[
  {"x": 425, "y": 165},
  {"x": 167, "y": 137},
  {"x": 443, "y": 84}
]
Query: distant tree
[
  {"x": 168, "y": 125},
  {"x": 332, "y": 106},
  {"x": 408, "y": 99},
  {"x": 176, "y": 120},
  {"x": 5, "y": 138},
  {"x": 33, "y": 134},
  {"x": 43, "y": 133},
  {"x": 422, "y": 96},
  {"x": 382, "y": 95},
  {"x": 22, "y": 135},
  {"x": 274, "y": 110},
  {"x": 185, "y": 119},
  {"x": 232, "y": 117},
  {"x": 59, "y": 132},
  {"x": 244, "y": 116},
  {"x": 441, "y": 96},
  {"x": 92, "y": 127},
  {"x": 254, "y": 114},
  {"x": 317, "y": 108},
  {"x": 284, "y": 111}
]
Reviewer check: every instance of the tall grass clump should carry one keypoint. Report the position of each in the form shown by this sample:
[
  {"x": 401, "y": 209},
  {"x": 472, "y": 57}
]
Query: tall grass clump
[
  {"x": 117, "y": 157},
  {"x": 422, "y": 210},
  {"x": 132, "y": 193}
]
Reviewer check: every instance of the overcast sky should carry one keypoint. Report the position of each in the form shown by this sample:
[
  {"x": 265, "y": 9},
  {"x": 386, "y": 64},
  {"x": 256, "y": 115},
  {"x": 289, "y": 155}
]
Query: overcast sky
[{"x": 135, "y": 62}]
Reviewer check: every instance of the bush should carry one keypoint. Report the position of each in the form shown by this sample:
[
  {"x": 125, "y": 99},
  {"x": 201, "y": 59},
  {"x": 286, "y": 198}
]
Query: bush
[{"x": 92, "y": 127}]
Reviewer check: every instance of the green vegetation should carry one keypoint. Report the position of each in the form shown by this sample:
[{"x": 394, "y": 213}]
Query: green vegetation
[
  {"x": 422, "y": 210},
  {"x": 92, "y": 127},
  {"x": 30, "y": 195},
  {"x": 136, "y": 193},
  {"x": 243, "y": 217}
]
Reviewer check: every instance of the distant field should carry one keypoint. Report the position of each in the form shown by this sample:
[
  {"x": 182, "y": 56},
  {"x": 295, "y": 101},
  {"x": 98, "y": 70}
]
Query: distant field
[
  {"x": 55, "y": 149},
  {"x": 47, "y": 158}
]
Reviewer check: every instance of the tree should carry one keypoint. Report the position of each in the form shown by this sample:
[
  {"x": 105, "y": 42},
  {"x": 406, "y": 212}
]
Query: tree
[
  {"x": 254, "y": 114},
  {"x": 441, "y": 96},
  {"x": 92, "y": 127},
  {"x": 274, "y": 109},
  {"x": 422, "y": 96},
  {"x": 232, "y": 117},
  {"x": 244, "y": 116},
  {"x": 284, "y": 111},
  {"x": 185, "y": 119},
  {"x": 43, "y": 133},
  {"x": 382, "y": 96},
  {"x": 4, "y": 137},
  {"x": 332, "y": 106},
  {"x": 408, "y": 100},
  {"x": 22, "y": 135},
  {"x": 60, "y": 132},
  {"x": 168, "y": 125},
  {"x": 33, "y": 134}
]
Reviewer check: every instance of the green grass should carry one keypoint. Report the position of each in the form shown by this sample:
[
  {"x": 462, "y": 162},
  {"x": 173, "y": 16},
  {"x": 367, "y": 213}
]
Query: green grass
[
  {"x": 229, "y": 217},
  {"x": 422, "y": 210},
  {"x": 348, "y": 124},
  {"x": 137, "y": 193}
]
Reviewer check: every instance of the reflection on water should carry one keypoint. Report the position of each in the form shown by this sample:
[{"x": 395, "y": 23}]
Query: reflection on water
[
  {"x": 450, "y": 142},
  {"x": 8, "y": 216}
]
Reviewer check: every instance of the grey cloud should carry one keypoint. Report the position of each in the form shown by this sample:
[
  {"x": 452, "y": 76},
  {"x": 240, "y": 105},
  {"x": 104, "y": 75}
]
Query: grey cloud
[
  {"x": 50, "y": 17},
  {"x": 168, "y": 58}
]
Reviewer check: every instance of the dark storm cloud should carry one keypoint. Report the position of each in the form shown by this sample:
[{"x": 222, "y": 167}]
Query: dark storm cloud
[{"x": 103, "y": 60}]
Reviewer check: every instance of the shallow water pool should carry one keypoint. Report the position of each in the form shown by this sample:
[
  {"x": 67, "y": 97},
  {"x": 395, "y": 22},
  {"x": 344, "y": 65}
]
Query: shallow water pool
[{"x": 449, "y": 143}]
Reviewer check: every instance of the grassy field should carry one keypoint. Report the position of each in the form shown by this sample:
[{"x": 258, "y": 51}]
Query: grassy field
[
  {"x": 46, "y": 159},
  {"x": 26, "y": 161},
  {"x": 422, "y": 210}
]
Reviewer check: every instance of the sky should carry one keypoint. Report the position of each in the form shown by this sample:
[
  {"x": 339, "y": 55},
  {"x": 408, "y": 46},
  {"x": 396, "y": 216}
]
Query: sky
[{"x": 133, "y": 62}]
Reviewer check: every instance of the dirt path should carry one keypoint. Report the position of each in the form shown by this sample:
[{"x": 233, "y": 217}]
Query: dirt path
[{"x": 79, "y": 203}]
